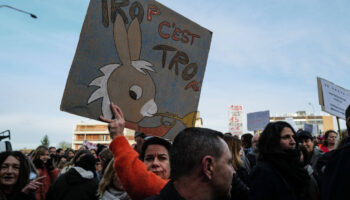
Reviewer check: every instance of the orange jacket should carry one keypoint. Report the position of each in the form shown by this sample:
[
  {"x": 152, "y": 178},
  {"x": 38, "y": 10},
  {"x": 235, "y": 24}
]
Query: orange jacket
[{"x": 137, "y": 181}]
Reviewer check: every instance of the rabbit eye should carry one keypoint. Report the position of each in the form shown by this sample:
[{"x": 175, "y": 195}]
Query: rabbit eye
[{"x": 135, "y": 92}]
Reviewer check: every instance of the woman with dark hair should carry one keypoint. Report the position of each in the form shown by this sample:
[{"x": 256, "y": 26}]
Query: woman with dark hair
[
  {"x": 330, "y": 138},
  {"x": 279, "y": 174},
  {"x": 155, "y": 154},
  {"x": 14, "y": 177},
  {"x": 134, "y": 175},
  {"x": 72, "y": 161},
  {"x": 78, "y": 183},
  {"x": 44, "y": 165},
  {"x": 70, "y": 153}
]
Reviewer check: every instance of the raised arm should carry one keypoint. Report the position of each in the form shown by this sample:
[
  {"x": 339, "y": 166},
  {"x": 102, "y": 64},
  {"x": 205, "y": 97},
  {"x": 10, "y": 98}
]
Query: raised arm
[{"x": 132, "y": 172}]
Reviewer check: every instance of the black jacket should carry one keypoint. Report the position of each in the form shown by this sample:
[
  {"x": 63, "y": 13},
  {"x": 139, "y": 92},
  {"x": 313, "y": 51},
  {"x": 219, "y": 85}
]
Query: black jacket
[
  {"x": 19, "y": 196},
  {"x": 267, "y": 184},
  {"x": 167, "y": 193},
  {"x": 239, "y": 190},
  {"x": 336, "y": 176},
  {"x": 72, "y": 185}
]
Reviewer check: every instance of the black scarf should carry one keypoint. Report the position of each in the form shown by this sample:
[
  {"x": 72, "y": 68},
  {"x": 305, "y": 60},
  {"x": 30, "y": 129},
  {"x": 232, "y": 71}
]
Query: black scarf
[{"x": 288, "y": 166}]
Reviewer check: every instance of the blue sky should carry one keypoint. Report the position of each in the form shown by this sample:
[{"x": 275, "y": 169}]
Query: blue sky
[{"x": 265, "y": 55}]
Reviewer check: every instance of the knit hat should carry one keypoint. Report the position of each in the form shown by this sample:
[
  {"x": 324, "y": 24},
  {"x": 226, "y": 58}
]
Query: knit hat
[{"x": 304, "y": 134}]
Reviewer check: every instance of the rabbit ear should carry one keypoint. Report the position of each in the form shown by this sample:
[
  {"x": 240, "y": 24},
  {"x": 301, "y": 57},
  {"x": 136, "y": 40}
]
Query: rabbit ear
[
  {"x": 134, "y": 37},
  {"x": 121, "y": 41}
]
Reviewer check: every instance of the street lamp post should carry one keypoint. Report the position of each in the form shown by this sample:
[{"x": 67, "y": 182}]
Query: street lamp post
[{"x": 19, "y": 10}]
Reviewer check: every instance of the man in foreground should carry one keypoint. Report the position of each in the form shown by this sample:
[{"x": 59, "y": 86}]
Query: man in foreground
[
  {"x": 335, "y": 182},
  {"x": 201, "y": 167}
]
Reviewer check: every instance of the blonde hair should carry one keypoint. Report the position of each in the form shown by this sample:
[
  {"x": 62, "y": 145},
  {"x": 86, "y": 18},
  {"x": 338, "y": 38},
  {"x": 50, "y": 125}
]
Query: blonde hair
[
  {"x": 234, "y": 144},
  {"x": 107, "y": 179}
]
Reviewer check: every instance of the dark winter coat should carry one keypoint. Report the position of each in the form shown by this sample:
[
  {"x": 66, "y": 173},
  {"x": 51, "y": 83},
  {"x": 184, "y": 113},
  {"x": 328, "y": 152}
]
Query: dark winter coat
[
  {"x": 252, "y": 159},
  {"x": 239, "y": 190},
  {"x": 74, "y": 184},
  {"x": 336, "y": 176},
  {"x": 267, "y": 184},
  {"x": 167, "y": 193},
  {"x": 18, "y": 196}
]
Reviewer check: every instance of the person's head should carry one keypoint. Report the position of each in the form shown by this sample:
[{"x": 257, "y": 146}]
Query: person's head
[
  {"x": 61, "y": 162},
  {"x": 83, "y": 147},
  {"x": 98, "y": 166},
  {"x": 100, "y": 147},
  {"x": 93, "y": 152},
  {"x": 78, "y": 155},
  {"x": 139, "y": 139},
  {"x": 255, "y": 140},
  {"x": 202, "y": 153},
  {"x": 109, "y": 179},
  {"x": 234, "y": 144},
  {"x": 347, "y": 118},
  {"x": 246, "y": 140},
  {"x": 87, "y": 161},
  {"x": 306, "y": 140},
  {"x": 155, "y": 154},
  {"x": 304, "y": 155},
  {"x": 42, "y": 153},
  {"x": 14, "y": 171},
  {"x": 330, "y": 138},
  {"x": 70, "y": 154},
  {"x": 60, "y": 152},
  {"x": 52, "y": 151},
  {"x": 276, "y": 137},
  {"x": 105, "y": 157}
]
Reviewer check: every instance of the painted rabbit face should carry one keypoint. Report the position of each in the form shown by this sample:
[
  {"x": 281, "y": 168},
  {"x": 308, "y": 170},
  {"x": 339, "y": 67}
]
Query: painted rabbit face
[
  {"x": 128, "y": 84},
  {"x": 137, "y": 93}
]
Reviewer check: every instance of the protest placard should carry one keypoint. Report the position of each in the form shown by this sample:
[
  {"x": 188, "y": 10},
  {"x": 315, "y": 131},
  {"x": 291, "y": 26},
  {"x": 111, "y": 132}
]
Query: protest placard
[
  {"x": 89, "y": 145},
  {"x": 311, "y": 128},
  {"x": 332, "y": 98},
  {"x": 291, "y": 121},
  {"x": 258, "y": 120},
  {"x": 235, "y": 120},
  {"x": 143, "y": 57}
]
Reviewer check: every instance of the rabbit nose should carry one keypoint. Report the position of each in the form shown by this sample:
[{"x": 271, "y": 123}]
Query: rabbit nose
[{"x": 149, "y": 108}]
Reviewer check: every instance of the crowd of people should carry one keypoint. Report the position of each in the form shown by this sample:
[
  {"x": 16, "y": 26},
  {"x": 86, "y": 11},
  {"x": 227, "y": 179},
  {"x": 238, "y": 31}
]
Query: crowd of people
[{"x": 200, "y": 163}]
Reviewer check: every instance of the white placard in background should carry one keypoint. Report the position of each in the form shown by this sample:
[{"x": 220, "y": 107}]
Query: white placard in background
[
  {"x": 235, "y": 120},
  {"x": 291, "y": 121},
  {"x": 335, "y": 98}
]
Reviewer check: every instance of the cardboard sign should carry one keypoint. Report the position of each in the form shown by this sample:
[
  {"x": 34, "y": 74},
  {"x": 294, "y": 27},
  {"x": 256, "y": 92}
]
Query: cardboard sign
[
  {"x": 311, "y": 128},
  {"x": 235, "y": 120},
  {"x": 89, "y": 145},
  {"x": 143, "y": 57},
  {"x": 291, "y": 121},
  {"x": 258, "y": 120},
  {"x": 332, "y": 98}
]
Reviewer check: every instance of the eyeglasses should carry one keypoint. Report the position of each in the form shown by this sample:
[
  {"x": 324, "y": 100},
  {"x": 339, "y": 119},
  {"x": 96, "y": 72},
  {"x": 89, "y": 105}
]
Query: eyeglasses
[{"x": 288, "y": 137}]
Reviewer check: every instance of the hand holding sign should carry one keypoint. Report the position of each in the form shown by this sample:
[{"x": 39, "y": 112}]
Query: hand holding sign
[
  {"x": 144, "y": 57},
  {"x": 116, "y": 126}
]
